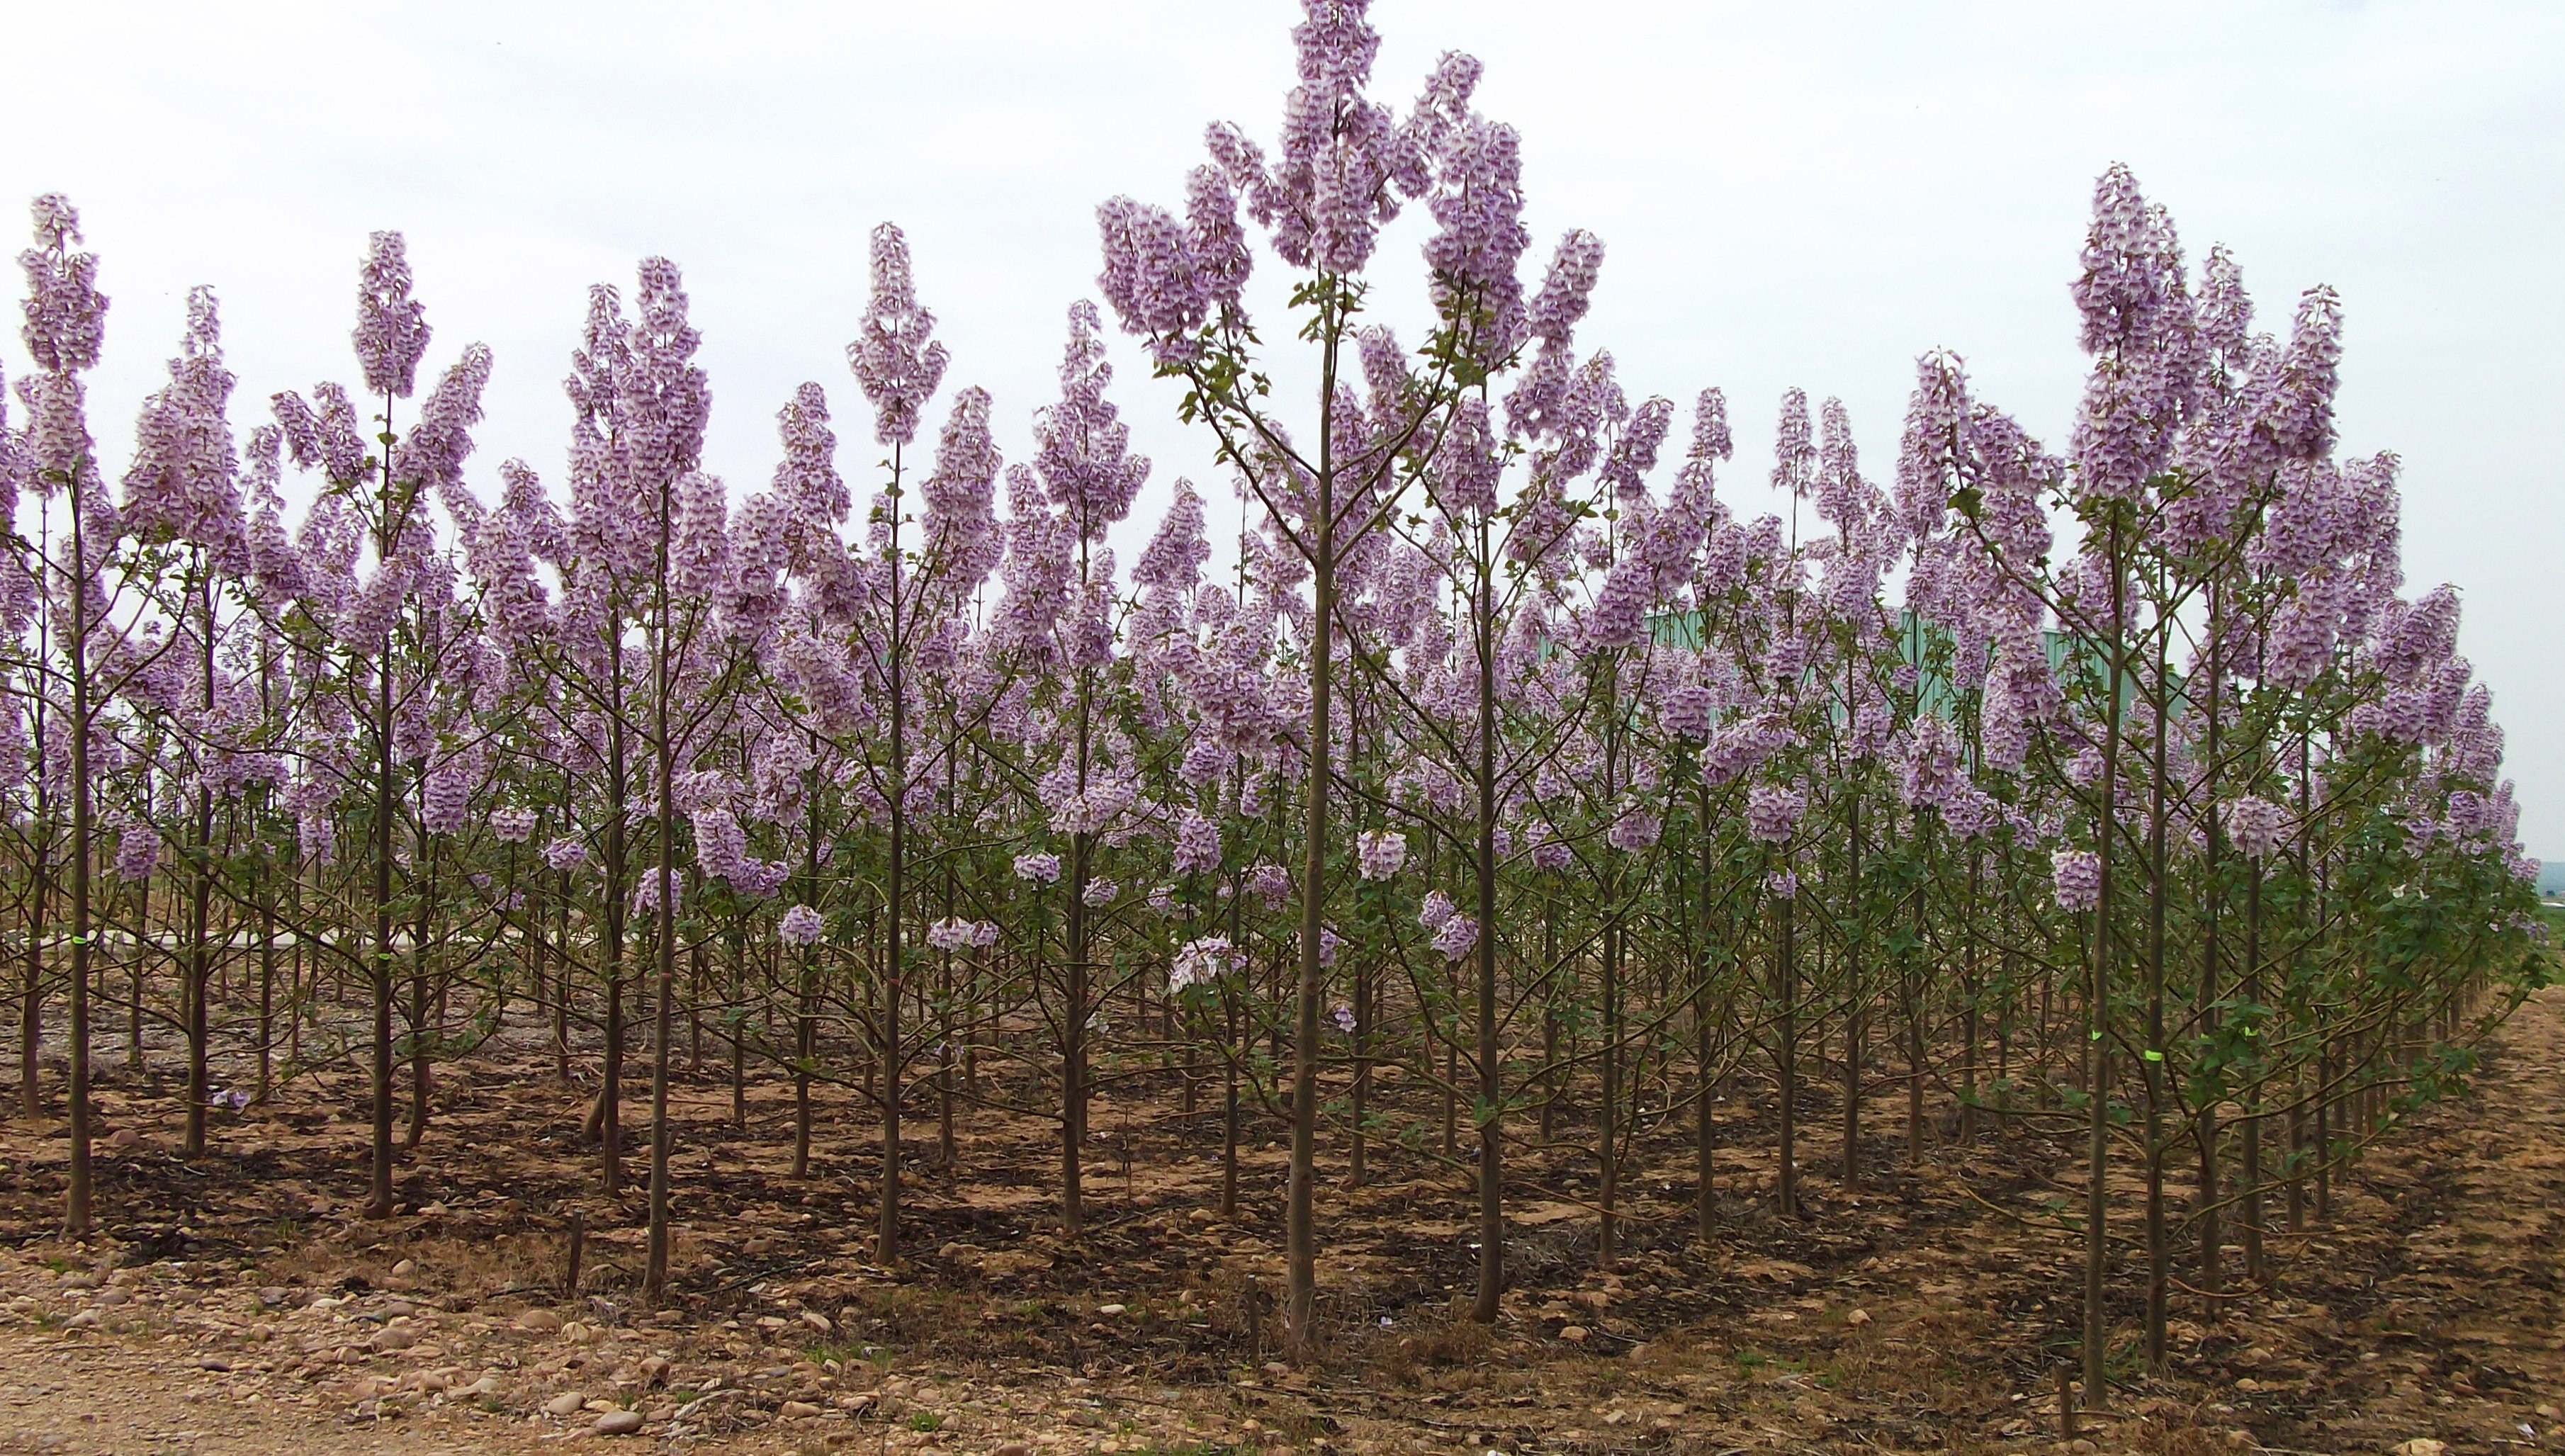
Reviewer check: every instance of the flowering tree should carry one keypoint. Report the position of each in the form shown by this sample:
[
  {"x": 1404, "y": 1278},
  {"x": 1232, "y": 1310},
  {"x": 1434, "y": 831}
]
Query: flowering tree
[{"x": 1514, "y": 760}]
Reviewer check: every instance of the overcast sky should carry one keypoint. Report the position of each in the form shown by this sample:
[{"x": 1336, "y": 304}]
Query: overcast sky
[{"x": 1800, "y": 194}]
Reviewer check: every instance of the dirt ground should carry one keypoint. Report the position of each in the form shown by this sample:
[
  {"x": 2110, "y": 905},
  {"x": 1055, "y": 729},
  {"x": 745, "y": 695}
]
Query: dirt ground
[{"x": 237, "y": 1303}]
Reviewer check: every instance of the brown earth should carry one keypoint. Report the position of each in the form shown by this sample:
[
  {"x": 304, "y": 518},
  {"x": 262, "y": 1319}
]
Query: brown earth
[{"x": 237, "y": 1304}]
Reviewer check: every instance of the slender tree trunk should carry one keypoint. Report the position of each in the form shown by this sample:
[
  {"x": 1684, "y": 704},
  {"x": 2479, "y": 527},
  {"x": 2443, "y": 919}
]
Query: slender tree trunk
[
  {"x": 736, "y": 1020},
  {"x": 805, "y": 1049},
  {"x": 1911, "y": 981},
  {"x": 2248, "y": 1191},
  {"x": 2213, "y": 1273},
  {"x": 893, "y": 1051},
  {"x": 1549, "y": 1077},
  {"x": 663, "y": 753},
  {"x": 136, "y": 969},
  {"x": 266, "y": 984},
  {"x": 1357, "y": 1140},
  {"x": 201, "y": 867},
  {"x": 1073, "y": 1079},
  {"x": 1785, "y": 1001},
  {"x": 609, "y": 1092},
  {"x": 1301, "y": 1241},
  {"x": 1489, "y": 1118},
  {"x": 1231, "y": 1052},
  {"x": 31, "y": 1001},
  {"x": 1704, "y": 1048},
  {"x": 199, "y": 971},
  {"x": 2097, "y": 1206},
  {"x": 380, "y": 973},
  {"x": 561, "y": 991},
  {"x": 78, "y": 1218},
  {"x": 423, "y": 1026},
  {"x": 1854, "y": 1006},
  {"x": 2159, "y": 891}
]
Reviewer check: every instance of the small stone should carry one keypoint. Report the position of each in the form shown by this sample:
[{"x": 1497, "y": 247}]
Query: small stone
[
  {"x": 1857, "y": 1316},
  {"x": 396, "y": 1336},
  {"x": 215, "y": 1363},
  {"x": 123, "y": 1139},
  {"x": 575, "y": 1333},
  {"x": 1011, "y": 1448},
  {"x": 85, "y": 1319},
  {"x": 542, "y": 1322},
  {"x": 273, "y": 1296},
  {"x": 816, "y": 1320},
  {"x": 568, "y": 1402},
  {"x": 797, "y": 1410},
  {"x": 80, "y": 1281},
  {"x": 2422, "y": 1446},
  {"x": 405, "y": 1268},
  {"x": 113, "y": 1296},
  {"x": 654, "y": 1369},
  {"x": 618, "y": 1423},
  {"x": 1110, "y": 1311},
  {"x": 1575, "y": 1334}
]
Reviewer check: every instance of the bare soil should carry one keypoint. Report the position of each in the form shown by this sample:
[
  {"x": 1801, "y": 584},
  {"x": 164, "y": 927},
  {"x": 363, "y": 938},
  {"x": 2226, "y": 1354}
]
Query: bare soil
[{"x": 239, "y": 1303}]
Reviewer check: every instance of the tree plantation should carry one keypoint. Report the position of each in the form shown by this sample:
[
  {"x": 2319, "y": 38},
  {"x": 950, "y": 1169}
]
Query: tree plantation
[{"x": 1490, "y": 787}]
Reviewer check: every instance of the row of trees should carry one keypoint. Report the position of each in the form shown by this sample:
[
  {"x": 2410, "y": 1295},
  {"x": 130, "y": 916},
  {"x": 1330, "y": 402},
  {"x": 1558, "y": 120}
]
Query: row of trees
[{"x": 2118, "y": 789}]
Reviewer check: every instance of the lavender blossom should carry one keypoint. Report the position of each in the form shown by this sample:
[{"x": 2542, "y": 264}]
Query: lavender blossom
[
  {"x": 801, "y": 925},
  {"x": 1380, "y": 853},
  {"x": 392, "y": 327},
  {"x": 1200, "y": 962},
  {"x": 2078, "y": 876},
  {"x": 137, "y": 852},
  {"x": 1773, "y": 813},
  {"x": 66, "y": 315},
  {"x": 2254, "y": 825},
  {"x": 1436, "y": 910},
  {"x": 183, "y": 484},
  {"x": 1197, "y": 850},
  {"x": 896, "y": 360}
]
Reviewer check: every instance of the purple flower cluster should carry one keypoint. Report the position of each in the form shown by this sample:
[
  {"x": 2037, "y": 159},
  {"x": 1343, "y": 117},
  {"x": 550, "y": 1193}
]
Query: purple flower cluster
[
  {"x": 1380, "y": 853},
  {"x": 2077, "y": 875},
  {"x": 801, "y": 925}
]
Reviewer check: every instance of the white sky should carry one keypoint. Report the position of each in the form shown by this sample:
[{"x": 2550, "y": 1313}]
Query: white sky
[{"x": 1800, "y": 194}]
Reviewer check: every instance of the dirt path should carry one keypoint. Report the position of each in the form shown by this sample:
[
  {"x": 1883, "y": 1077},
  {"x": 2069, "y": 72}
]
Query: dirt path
[
  {"x": 1908, "y": 1319},
  {"x": 2448, "y": 1314}
]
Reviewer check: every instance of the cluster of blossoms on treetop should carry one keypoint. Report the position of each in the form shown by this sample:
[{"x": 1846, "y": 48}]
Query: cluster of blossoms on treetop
[{"x": 1516, "y": 725}]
